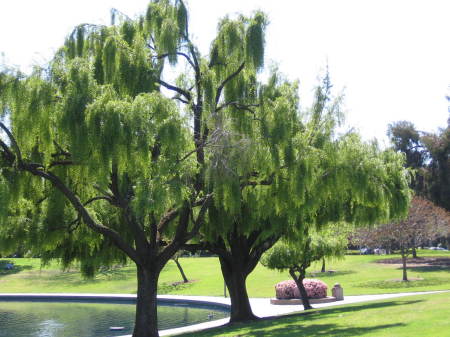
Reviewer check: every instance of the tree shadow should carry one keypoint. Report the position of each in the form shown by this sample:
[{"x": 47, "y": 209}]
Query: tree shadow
[
  {"x": 330, "y": 273},
  {"x": 14, "y": 270},
  {"x": 321, "y": 330},
  {"x": 264, "y": 326},
  {"x": 170, "y": 287},
  {"x": 397, "y": 284},
  {"x": 318, "y": 313},
  {"x": 425, "y": 269}
]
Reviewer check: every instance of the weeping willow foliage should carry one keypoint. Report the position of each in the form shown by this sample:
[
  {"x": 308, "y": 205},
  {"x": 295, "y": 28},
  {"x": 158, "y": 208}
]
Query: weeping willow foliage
[{"x": 97, "y": 113}]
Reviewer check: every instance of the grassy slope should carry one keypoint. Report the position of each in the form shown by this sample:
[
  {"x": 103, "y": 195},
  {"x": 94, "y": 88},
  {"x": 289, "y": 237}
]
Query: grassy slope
[
  {"x": 357, "y": 274},
  {"x": 425, "y": 315}
]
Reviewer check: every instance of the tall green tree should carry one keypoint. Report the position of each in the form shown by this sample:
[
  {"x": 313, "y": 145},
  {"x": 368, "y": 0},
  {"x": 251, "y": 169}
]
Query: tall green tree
[{"x": 298, "y": 173}]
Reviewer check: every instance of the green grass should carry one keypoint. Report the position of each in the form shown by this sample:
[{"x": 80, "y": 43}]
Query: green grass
[
  {"x": 357, "y": 274},
  {"x": 420, "y": 315}
]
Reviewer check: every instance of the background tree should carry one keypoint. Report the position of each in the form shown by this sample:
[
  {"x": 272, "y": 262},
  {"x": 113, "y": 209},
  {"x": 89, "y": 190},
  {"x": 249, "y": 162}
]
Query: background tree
[
  {"x": 425, "y": 222},
  {"x": 302, "y": 249},
  {"x": 406, "y": 139},
  {"x": 438, "y": 169}
]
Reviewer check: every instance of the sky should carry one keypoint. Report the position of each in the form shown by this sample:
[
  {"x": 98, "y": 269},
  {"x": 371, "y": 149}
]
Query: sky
[{"x": 391, "y": 59}]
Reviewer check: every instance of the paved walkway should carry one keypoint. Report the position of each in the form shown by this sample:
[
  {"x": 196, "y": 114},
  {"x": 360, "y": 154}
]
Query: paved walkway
[{"x": 261, "y": 306}]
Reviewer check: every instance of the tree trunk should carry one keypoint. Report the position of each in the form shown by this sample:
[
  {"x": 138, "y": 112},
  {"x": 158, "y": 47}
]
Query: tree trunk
[
  {"x": 405, "y": 276},
  {"x": 301, "y": 288},
  {"x": 235, "y": 278},
  {"x": 183, "y": 275},
  {"x": 146, "y": 304},
  {"x": 323, "y": 266},
  {"x": 414, "y": 252}
]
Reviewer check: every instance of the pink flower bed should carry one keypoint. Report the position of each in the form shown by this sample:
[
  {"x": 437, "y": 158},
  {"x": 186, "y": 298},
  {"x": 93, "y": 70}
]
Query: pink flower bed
[{"x": 288, "y": 289}]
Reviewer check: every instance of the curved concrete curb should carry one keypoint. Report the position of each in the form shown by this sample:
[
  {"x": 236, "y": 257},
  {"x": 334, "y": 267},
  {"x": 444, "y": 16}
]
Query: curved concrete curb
[{"x": 260, "y": 306}]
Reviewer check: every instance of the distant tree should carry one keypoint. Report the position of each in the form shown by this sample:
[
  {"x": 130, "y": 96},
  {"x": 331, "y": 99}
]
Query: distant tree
[
  {"x": 438, "y": 168},
  {"x": 302, "y": 249},
  {"x": 425, "y": 222},
  {"x": 407, "y": 140}
]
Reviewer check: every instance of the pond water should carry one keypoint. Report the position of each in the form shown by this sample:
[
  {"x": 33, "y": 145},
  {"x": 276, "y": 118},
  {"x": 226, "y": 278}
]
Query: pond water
[{"x": 69, "y": 319}]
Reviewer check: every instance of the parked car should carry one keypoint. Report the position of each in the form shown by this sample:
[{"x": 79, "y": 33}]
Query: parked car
[{"x": 366, "y": 251}]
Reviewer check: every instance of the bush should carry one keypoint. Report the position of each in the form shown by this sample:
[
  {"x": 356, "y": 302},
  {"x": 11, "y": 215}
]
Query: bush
[{"x": 288, "y": 289}]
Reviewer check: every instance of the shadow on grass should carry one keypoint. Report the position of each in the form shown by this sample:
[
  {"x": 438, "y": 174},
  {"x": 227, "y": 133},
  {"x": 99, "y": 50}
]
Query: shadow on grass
[
  {"x": 74, "y": 278},
  {"x": 14, "y": 270},
  {"x": 167, "y": 288},
  {"x": 330, "y": 273},
  {"x": 393, "y": 284},
  {"x": 289, "y": 330},
  {"x": 294, "y": 324},
  {"x": 425, "y": 269}
]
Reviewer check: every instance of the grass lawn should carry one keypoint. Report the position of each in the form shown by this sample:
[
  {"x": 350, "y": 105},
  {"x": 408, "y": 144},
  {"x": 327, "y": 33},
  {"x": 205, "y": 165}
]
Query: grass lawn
[
  {"x": 358, "y": 274},
  {"x": 422, "y": 315}
]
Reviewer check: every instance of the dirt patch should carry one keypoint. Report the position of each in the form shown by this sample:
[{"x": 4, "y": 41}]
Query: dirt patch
[{"x": 442, "y": 262}]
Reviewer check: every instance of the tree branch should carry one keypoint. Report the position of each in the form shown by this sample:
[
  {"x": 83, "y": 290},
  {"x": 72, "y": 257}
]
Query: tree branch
[
  {"x": 82, "y": 211},
  {"x": 229, "y": 78},
  {"x": 176, "y": 53},
  {"x": 239, "y": 106},
  {"x": 13, "y": 142},
  {"x": 174, "y": 88}
]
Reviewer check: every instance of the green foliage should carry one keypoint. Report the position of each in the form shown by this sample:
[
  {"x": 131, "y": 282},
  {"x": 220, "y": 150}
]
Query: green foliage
[
  {"x": 97, "y": 120},
  {"x": 302, "y": 250}
]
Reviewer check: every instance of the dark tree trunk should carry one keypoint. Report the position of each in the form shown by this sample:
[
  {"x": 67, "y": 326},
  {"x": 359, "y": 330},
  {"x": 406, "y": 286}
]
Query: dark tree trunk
[
  {"x": 239, "y": 255},
  {"x": 183, "y": 275},
  {"x": 235, "y": 278},
  {"x": 146, "y": 303},
  {"x": 301, "y": 288},
  {"x": 405, "y": 276},
  {"x": 323, "y": 266},
  {"x": 414, "y": 252}
]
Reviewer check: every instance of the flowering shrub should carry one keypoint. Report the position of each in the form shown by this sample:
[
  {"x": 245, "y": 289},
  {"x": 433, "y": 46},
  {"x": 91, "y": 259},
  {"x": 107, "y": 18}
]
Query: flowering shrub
[{"x": 288, "y": 289}]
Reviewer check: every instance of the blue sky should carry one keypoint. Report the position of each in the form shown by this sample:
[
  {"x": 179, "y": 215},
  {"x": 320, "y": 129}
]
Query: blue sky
[{"x": 390, "y": 58}]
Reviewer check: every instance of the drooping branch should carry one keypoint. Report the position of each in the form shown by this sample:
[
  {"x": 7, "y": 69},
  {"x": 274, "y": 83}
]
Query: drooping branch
[
  {"x": 225, "y": 81},
  {"x": 13, "y": 142},
  {"x": 186, "y": 56},
  {"x": 7, "y": 152},
  {"x": 83, "y": 212},
  {"x": 239, "y": 106},
  {"x": 91, "y": 200},
  {"x": 61, "y": 163}
]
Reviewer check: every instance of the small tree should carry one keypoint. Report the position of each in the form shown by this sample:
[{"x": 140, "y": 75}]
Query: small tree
[{"x": 297, "y": 255}]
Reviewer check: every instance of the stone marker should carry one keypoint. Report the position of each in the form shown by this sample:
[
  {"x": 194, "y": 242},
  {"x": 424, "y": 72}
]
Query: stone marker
[{"x": 338, "y": 292}]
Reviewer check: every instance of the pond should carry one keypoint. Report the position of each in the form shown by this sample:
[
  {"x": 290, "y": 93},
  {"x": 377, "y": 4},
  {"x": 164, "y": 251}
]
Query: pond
[{"x": 69, "y": 318}]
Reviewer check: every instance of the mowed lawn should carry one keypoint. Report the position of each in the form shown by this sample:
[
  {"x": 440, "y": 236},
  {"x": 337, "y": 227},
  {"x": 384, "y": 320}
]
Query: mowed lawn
[
  {"x": 358, "y": 274},
  {"x": 412, "y": 316}
]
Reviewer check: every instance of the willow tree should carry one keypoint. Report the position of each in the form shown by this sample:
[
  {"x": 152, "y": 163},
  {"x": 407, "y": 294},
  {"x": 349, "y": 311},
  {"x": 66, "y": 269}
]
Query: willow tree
[{"x": 285, "y": 169}]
